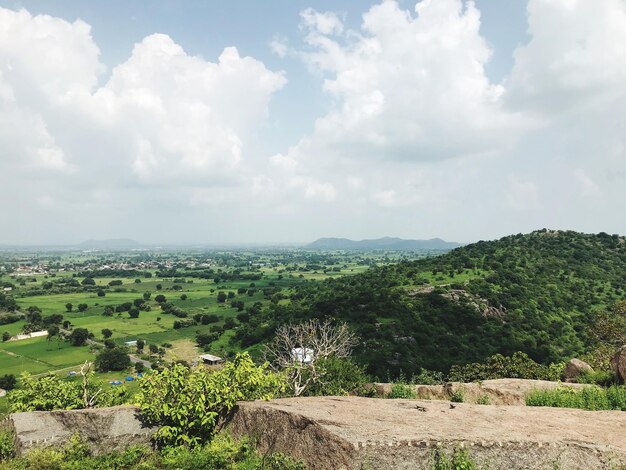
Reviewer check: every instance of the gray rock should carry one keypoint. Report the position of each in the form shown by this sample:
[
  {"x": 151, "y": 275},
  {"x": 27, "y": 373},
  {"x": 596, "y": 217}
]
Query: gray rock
[
  {"x": 573, "y": 369},
  {"x": 619, "y": 363},
  {"x": 104, "y": 429}
]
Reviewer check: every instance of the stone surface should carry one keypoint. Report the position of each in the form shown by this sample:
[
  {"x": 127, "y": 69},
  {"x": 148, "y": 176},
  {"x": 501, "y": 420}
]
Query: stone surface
[
  {"x": 357, "y": 433},
  {"x": 619, "y": 363},
  {"x": 498, "y": 391},
  {"x": 573, "y": 368},
  {"x": 104, "y": 429}
]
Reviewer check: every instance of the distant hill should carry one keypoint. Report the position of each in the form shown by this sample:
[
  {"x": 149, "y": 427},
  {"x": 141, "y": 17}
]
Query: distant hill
[
  {"x": 386, "y": 243},
  {"x": 535, "y": 293},
  {"x": 111, "y": 244}
]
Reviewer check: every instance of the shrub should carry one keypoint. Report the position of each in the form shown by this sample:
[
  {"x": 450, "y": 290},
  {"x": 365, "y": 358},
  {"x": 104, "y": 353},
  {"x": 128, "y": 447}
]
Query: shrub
[
  {"x": 341, "y": 376},
  {"x": 8, "y": 381},
  {"x": 588, "y": 398},
  {"x": 53, "y": 393},
  {"x": 517, "y": 366},
  {"x": 7, "y": 449},
  {"x": 402, "y": 390},
  {"x": 600, "y": 377},
  {"x": 458, "y": 395},
  {"x": 187, "y": 404},
  {"x": 483, "y": 400},
  {"x": 459, "y": 460}
]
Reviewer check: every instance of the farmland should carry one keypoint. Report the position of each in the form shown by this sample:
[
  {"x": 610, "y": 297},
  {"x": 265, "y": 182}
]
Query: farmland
[{"x": 176, "y": 297}]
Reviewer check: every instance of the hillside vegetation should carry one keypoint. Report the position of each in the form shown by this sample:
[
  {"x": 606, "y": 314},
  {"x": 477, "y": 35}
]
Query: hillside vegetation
[{"x": 535, "y": 293}]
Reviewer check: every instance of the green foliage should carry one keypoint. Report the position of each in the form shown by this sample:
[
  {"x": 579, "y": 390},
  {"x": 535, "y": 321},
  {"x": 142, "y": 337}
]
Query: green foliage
[
  {"x": 223, "y": 453},
  {"x": 428, "y": 377},
  {"x": 53, "y": 393},
  {"x": 517, "y": 366},
  {"x": 458, "y": 395},
  {"x": 79, "y": 336},
  {"x": 340, "y": 376},
  {"x": 402, "y": 390},
  {"x": 459, "y": 460},
  {"x": 189, "y": 403},
  {"x": 8, "y": 382},
  {"x": 588, "y": 398},
  {"x": 602, "y": 378},
  {"x": 112, "y": 359},
  {"x": 7, "y": 448},
  {"x": 483, "y": 400}
]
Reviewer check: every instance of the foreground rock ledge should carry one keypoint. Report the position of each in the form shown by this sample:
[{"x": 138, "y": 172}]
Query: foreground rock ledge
[
  {"x": 104, "y": 429},
  {"x": 359, "y": 433}
]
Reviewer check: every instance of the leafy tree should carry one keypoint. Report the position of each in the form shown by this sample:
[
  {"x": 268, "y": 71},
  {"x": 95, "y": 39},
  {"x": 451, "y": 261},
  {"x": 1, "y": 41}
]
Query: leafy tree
[
  {"x": 160, "y": 299},
  {"x": 133, "y": 313},
  {"x": 8, "y": 382},
  {"x": 109, "y": 344},
  {"x": 108, "y": 311},
  {"x": 88, "y": 281},
  {"x": 183, "y": 297},
  {"x": 6, "y": 336},
  {"x": 112, "y": 359},
  {"x": 188, "y": 404},
  {"x": 82, "y": 307},
  {"x": 159, "y": 286},
  {"x": 146, "y": 296},
  {"x": 79, "y": 336},
  {"x": 140, "y": 345},
  {"x": 221, "y": 297},
  {"x": 101, "y": 293},
  {"x": 106, "y": 333},
  {"x": 69, "y": 307}
]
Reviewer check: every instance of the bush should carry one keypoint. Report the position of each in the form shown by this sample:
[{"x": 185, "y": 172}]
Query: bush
[
  {"x": 187, "y": 404},
  {"x": 8, "y": 381},
  {"x": 459, "y": 460},
  {"x": 600, "y": 377},
  {"x": 588, "y": 398},
  {"x": 517, "y": 366},
  {"x": 402, "y": 390},
  {"x": 53, "y": 393},
  {"x": 7, "y": 449},
  {"x": 458, "y": 395},
  {"x": 341, "y": 376}
]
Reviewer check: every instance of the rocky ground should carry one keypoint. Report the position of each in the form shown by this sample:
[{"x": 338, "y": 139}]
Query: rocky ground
[{"x": 359, "y": 433}]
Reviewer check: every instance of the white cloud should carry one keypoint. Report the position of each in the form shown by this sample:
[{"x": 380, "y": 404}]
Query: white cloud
[
  {"x": 522, "y": 195},
  {"x": 588, "y": 187},
  {"x": 408, "y": 86},
  {"x": 576, "y": 55},
  {"x": 324, "y": 23}
]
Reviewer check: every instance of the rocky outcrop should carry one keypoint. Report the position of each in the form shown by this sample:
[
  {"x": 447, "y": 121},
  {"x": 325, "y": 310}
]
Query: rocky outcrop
[
  {"x": 356, "y": 433},
  {"x": 619, "y": 363},
  {"x": 104, "y": 429},
  {"x": 494, "y": 392},
  {"x": 573, "y": 369}
]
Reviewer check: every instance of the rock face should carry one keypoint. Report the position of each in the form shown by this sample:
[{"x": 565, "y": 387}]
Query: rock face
[
  {"x": 619, "y": 363},
  {"x": 496, "y": 392},
  {"x": 357, "y": 433},
  {"x": 573, "y": 369},
  {"x": 104, "y": 429}
]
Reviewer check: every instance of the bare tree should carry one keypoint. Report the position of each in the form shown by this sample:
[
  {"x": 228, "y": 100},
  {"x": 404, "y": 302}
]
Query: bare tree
[{"x": 297, "y": 350}]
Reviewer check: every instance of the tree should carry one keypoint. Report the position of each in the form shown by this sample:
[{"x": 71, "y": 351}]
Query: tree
[
  {"x": 8, "y": 382},
  {"x": 106, "y": 333},
  {"x": 146, "y": 296},
  {"x": 6, "y": 336},
  {"x": 108, "y": 311},
  {"x": 133, "y": 313},
  {"x": 82, "y": 307},
  {"x": 221, "y": 297},
  {"x": 79, "y": 336},
  {"x": 112, "y": 359},
  {"x": 160, "y": 299},
  {"x": 140, "y": 345},
  {"x": 183, "y": 297},
  {"x": 300, "y": 350},
  {"x": 137, "y": 281},
  {"x": 189, "y": 404},
  {"x": 53, "y": 330},
  {"x": 69, "y": 307},
  {"x": 101, "y": 293},
  {"x": 153, "y": 348},
  {"x": 88, "y": 281},
  {"x": 159, "y": 286},
  {"x": 109, "y": 343}
]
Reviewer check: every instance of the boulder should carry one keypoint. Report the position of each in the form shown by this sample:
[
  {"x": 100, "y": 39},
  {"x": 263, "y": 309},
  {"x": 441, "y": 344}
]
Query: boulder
[
  {"x": 573, "y": 369},
  {"x": 104, "y": 429},
  {"x": 618, "y": 363}
]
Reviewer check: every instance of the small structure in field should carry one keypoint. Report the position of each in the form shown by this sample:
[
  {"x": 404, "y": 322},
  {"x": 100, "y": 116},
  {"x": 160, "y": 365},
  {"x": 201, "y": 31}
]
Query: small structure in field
[
  {"x": 130, "y": 343},
  {"x": 211, "y": 360}
]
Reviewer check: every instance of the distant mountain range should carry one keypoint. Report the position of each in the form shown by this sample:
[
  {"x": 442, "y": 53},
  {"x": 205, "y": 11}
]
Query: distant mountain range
[
  {"x": 386, "y": 243},
  {"x": 111, "y": 244}
]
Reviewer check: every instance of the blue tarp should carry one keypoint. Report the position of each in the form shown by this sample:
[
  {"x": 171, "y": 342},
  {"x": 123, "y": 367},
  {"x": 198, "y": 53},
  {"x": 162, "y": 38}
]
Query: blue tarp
[{"x": 129, "y": 379}]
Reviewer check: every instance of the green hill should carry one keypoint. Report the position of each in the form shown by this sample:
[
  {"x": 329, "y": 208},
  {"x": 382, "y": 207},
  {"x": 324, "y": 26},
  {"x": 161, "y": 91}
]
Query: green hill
[{"x": 535, "y": 293}]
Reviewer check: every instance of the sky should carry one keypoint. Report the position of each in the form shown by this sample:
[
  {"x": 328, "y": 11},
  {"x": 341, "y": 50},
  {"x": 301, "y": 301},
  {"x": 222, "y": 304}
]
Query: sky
[{"x": 283, "y": 121}]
